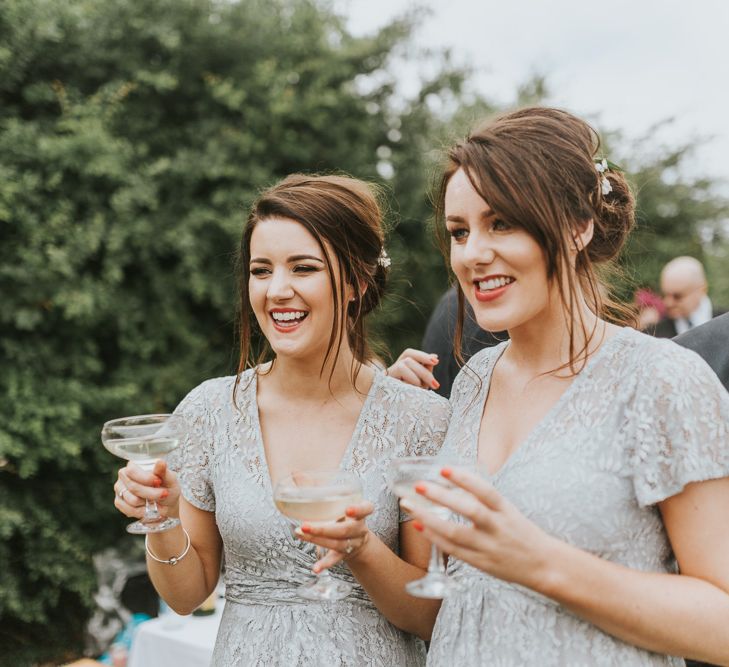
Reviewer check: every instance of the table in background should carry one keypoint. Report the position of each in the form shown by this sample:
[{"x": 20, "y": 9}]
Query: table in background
[{"x": 189, "y": 643}]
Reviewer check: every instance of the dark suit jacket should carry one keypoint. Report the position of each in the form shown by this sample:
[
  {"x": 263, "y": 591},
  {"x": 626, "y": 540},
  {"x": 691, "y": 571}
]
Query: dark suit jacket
[
  {"x": 711, "y": 341},
  {"x": 667, "y": 328},
  {"x": 438, "y": 339}
]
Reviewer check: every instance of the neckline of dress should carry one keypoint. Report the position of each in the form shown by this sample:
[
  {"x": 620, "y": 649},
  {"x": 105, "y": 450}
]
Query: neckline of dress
[
  {"x": 523, "y": 446},
  {"x": 344, "y": 462}
]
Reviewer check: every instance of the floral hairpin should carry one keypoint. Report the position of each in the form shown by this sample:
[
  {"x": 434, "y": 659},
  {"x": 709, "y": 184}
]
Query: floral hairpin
[
  {"x": 602, "y": 166},
  {"x": 384, "y": 259}
]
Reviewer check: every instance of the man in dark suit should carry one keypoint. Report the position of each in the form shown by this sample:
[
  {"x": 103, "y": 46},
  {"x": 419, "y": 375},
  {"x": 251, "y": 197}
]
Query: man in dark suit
[
  {"x": 684, "y": 288},
  {"x": 711, "y": 341}
]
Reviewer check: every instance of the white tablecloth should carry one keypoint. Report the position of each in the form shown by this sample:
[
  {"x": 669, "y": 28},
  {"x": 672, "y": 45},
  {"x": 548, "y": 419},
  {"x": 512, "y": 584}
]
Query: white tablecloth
[{"x": 180, "y": 641}]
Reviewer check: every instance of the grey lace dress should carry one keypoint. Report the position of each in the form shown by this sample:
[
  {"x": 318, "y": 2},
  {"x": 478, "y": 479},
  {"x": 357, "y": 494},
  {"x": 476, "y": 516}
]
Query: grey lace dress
[
  {"x": 222, "y": 469},
  {"x": 643, "y": 418}
]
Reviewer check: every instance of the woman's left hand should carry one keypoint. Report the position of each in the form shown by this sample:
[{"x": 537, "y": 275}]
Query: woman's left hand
[
  {"x": 500, "y": 540},
  {"x": 345, "y": 538}
]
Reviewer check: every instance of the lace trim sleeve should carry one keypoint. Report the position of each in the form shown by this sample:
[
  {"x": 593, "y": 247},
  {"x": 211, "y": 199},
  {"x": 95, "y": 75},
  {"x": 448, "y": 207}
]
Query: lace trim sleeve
[
  {"x": 431, "y": 417},
  {"x": 680, "y": 426},
  {"x": 192, "y": 460}
]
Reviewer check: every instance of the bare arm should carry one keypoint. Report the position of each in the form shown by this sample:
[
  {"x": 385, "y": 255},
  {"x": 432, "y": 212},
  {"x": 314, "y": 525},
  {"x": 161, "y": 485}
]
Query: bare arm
[
  {"x": 685, "y": 615},
  {"x": 381, "y": 572},
  {"x": 185, "y": 585}
]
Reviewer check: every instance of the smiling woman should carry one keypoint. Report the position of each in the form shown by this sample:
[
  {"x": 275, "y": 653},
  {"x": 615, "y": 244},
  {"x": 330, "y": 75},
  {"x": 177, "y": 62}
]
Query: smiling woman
[
  {"x": 311, "y": 270},
  {"x": 600, "y": 537}
]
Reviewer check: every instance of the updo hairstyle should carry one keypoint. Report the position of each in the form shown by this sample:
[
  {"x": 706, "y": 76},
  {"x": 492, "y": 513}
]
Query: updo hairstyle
[
  {"x": 536, "y": 169},
  {"x": 344, "y": 213}
]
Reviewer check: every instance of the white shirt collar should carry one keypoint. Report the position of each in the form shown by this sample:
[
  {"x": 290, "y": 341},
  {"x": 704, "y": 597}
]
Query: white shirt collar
[{"x": 703, "y": 313}]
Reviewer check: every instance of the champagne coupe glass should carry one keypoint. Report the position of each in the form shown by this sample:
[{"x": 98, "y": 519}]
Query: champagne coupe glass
[
  {"x": 404, "y": 475},
  {"x": 318, "y": 496},
  {"x": 144, "y": 439}
]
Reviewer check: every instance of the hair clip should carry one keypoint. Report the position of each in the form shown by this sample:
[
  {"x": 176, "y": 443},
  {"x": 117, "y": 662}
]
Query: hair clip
[
  {"x": 602, "y": 166},
  {"x": 384, "y": 259}
]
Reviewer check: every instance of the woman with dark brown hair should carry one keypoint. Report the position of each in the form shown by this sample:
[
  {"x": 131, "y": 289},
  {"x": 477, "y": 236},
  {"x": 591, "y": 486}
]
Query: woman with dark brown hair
[
  {"x": 312, "y": 267},
  {"x": 607, "y": 450}
]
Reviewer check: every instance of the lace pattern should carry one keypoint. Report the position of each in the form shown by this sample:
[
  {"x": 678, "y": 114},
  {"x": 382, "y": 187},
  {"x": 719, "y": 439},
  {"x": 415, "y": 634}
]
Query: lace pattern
[
  {"x": 643, "y": 418},
  {"x": 222, "y": 468}
]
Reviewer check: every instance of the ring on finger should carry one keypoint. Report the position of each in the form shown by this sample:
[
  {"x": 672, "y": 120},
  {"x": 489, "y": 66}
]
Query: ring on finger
[
  {"x": 349, "y": 548},
  {"x": 120, "y": 493}
]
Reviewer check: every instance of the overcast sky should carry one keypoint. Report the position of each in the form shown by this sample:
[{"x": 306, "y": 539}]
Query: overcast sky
[{"x": 625, "y": 64}]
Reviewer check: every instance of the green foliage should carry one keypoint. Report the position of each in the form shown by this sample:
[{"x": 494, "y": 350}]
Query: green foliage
[
  {"x": 133, "y": 135},
  {"x": 675, "y": 216}
]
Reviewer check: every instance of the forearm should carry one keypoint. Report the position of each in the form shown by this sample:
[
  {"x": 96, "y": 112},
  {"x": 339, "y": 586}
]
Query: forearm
[
  {"x": 666, "y": 613},
  {"x": 383, "y": 575},
  {"x": 183, "y": 586}
]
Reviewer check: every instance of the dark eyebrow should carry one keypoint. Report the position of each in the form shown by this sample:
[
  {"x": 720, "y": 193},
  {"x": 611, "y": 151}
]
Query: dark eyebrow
[
  {"x": 293, "y": 258},
  {"x": 485, "y": 215}
]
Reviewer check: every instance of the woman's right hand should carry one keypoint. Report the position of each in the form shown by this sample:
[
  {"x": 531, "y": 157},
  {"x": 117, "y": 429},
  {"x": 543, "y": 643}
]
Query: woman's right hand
[
  {"x": 134, "y": 485},
  {"x": 415, "y": 367}
]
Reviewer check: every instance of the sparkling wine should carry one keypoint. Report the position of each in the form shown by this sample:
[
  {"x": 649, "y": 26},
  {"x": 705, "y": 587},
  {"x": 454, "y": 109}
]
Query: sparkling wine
[
  {"x": 317, "y": 504},
  {"x": 145, "y": 451},
  {"x": 406, "y": 491}
]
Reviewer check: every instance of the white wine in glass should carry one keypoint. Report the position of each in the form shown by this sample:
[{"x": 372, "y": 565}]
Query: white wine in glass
[
  {"x": 318, "y": 496},
  {"x": 404, "y": 475},
  {"x": 145, "y": 439}
]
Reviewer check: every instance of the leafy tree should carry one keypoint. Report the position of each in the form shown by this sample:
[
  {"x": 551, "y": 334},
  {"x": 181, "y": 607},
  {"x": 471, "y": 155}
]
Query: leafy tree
[
  {"x": 133, "y": 135},
  {"x": 676, "y": 215}
]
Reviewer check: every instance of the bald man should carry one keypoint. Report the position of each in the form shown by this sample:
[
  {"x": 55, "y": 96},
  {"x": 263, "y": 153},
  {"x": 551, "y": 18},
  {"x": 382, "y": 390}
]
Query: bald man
[{"x": 684, "y": 288}]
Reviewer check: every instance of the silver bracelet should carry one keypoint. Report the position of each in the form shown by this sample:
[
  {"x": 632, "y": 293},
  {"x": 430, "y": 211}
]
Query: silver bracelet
[{"x": 175, "y": 559}]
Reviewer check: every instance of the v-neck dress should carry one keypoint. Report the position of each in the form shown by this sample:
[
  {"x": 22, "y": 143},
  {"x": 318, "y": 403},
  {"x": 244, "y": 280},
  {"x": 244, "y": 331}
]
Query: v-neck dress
[
  {"x": 644, "y": 418},
  {"x": 222, "y": 468}
]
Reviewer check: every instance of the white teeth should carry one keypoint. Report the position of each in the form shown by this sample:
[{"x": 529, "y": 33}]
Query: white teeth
[
  {"x": 286, "y": 317},
  {"x": 493, "y": 283}
]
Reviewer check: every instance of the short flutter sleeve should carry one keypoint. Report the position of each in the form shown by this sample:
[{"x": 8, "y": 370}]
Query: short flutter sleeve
[
  {"x": 192, "y": 461},
  {"x": 678, "y": 424},
  {"x": 430, "y": 415}
]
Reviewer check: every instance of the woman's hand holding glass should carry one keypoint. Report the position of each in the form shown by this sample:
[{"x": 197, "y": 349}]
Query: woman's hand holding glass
[
  {"x": 135, "y": 486},
  {"x": 499, "y": 540},
  {"x": 344, "y": 539}
]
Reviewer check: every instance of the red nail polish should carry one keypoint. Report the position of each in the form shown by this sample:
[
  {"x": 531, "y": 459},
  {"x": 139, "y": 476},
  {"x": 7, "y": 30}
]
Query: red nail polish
[
  {"x": 435, "y": 384},
  {"x": 164, "y": 493},
  {"x": 420, "y": 488},
  {"x": 305, "y": 528},
  {"x": 417, "y": 525},
  {"x": 350, "y": 511},
  {"x": 446, "y": 472},
  {"x": 156, "y": 482}
]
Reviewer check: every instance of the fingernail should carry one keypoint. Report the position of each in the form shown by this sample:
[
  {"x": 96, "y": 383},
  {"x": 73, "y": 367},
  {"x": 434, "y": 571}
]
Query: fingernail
[
  {"x": 156, "y": 482},
  {"x": 350, "y": 511},
  {"x": 316, "y": 569},
  {"x": 420, "y": 488},
  {"x": 164, "y": 493},
  {"x": 305, "y": 528},
  {"x": 298, "y": 532},
  {"x": 417, "y": 525},
  {"x": 435, "y": 384},
  {"x": 446, "y": 472}
]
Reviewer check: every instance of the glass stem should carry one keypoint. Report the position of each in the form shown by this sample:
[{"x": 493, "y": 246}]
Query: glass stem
[
  {"x": 436, "y": 564},
  {"x": 151, "y": 513},
  {"x": 323, "y": 576}
]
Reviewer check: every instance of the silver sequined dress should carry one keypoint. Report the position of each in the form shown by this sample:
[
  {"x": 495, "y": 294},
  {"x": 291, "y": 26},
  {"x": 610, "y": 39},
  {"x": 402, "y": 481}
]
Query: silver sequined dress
[
  {"x": 643, "y": 418},
  {"x": 222, "y": 469}
]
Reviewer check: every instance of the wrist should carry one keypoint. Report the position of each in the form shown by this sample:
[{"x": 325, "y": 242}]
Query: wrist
[
  {"x": 360, "y": 555},
  {"x": 547, "y": 577}
]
